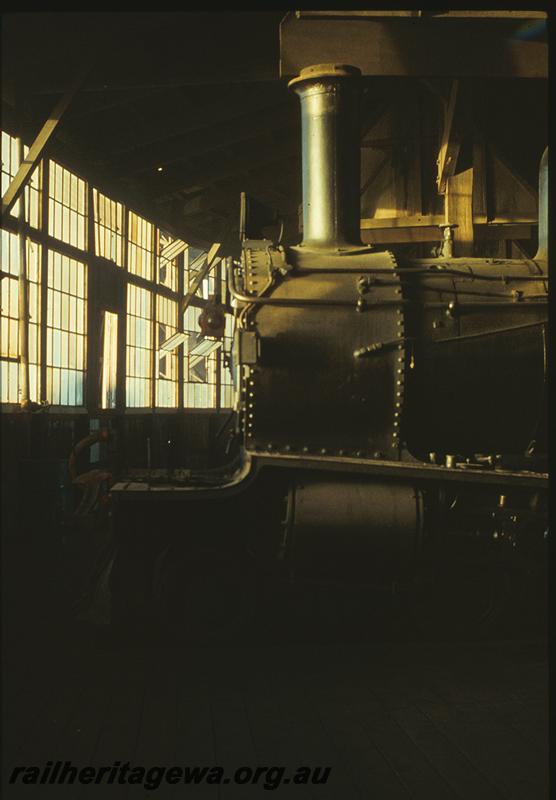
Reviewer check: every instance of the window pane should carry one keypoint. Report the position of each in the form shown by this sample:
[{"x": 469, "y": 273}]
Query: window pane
[
  {"x": 139, "y": 347},
  {"x": 140, "y": 246},
  {"x": 199, "y": 370},
  {"x": 9, "y": 319},
  {"x": 109, "y": 242},
  {"x": 67, "y": 205},
  {"x": 166, "y": 363},
  {"x": 66, "y": 330}
]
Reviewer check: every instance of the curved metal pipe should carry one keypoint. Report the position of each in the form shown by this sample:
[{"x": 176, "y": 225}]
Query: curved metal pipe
[
  {"x": 311, "y": 301},
  {"x": 329, "y": 95}
]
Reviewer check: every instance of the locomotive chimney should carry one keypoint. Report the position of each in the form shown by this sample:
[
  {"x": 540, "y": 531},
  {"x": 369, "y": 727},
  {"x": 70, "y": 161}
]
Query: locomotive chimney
[
  {"x": 329, "y": 95},
  {"x": 542, "y": 252}
]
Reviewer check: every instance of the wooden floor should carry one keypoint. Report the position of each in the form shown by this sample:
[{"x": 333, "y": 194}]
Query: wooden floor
[{"x": 392, "y": 719}]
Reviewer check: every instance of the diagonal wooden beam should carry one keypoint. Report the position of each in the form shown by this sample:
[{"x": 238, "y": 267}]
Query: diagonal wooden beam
[
  {"x": 211, "y": 261},
  {"x": 36, "y": 150},
  {"x": 451, "y": 140},
  {"x": 173, "y": 249}
]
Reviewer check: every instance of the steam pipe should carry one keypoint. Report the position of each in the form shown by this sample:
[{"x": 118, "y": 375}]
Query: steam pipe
[
  {"x": 542, "y": 251},
  {"x": 330, "y": 138}
]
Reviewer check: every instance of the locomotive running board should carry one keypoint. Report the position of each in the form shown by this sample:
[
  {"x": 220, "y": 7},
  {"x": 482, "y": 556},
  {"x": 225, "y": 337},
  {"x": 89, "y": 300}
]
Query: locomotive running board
[{"x": 400, "y": 469}]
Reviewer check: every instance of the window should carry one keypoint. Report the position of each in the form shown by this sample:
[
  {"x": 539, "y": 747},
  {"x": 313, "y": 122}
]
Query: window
[
  {"x": 67, "y": 206},
  {"x": 139, "y": 347},
  {"x": 66, "y": 330},
  {"x": 169, "y": 250},
  {"x": 140, "y": 246},
  {"x": 109, "y": 240},
  {"x": 159, "y": 270},
  {"x": 9, "y": 320},
  {"x": 109, "y": 360},
  {"x": 193, "y": 262},
  {"x": 166, "y": 362},
  {"x": 10, "y": 165},
  {"x": 226, "y": 382},
  {"x": 199, "y": 364}
]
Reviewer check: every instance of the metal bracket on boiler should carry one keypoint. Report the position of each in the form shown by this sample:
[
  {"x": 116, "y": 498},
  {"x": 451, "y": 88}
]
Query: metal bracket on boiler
[
  {"x": 261, "y": 259},
  {"x": 246, "y": 347}
]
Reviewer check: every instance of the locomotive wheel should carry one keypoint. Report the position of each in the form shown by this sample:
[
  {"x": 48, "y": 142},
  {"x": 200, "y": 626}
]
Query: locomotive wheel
[
  {"x": 452, "y": 600},
  {"x": 203, "y": 596}
]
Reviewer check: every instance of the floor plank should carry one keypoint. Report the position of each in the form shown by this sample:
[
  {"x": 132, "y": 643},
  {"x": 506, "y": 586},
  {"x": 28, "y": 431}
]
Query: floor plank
[{"x": 393, "y": 720}]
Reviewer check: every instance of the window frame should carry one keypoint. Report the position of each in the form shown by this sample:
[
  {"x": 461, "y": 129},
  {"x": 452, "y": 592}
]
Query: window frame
[{"x": 86, "y": 250}]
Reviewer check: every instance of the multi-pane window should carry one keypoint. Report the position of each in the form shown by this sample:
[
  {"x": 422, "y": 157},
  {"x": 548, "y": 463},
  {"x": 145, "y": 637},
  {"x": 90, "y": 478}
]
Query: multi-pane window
[
  {"x": 169, "y": 250},
  {"x": 10, "y": 165},
  {"x": 166, "y": 361},
  {"x": 66, "y": 330},
  {"x": 226, "y": 382},
  {"x": 109, "y": 240},
  {"x": 200, "y": 364},
  {"x": 67, "y": 206},
  {"x": 57, "y": 199},
  {"x": 191, "y": 256},
  {"x": 139, "y": 347},
  {"x": 10, "y": 376},
  {"x": 193, "y": 262},
  {"x": 140, "y": 247}
]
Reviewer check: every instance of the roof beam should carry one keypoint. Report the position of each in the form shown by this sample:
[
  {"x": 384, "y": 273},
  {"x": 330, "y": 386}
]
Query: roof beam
[
  {"x": 36, "y": 150},
  {"x": 407, "y": 230},
  {"x": 190, "y": 116},
  {"x": 226, "y": 166},
  {"x": 409, "y": 46},
  {"x": 482, "y": 14},
  {"x": 182, "y": 148}
]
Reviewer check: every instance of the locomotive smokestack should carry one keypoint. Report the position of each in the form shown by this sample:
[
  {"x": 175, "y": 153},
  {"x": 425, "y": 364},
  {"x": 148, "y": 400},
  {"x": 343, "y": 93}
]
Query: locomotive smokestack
[
  {"x": 542, "y": 252},
  {"x": 329, "y": 95}
]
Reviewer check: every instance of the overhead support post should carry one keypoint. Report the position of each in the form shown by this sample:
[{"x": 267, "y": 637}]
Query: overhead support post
[
  {"x": 458, "y": 211},
  {"x": 23, "y": 311}
]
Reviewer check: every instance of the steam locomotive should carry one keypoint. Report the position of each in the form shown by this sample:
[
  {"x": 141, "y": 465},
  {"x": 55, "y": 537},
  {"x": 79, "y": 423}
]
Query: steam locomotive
[{"x": 391, "y": 414}]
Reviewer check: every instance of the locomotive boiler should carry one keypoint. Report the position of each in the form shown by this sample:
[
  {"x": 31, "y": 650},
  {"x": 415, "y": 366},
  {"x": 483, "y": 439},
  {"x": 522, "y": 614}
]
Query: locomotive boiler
[{"x": 391, "y": 412}]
